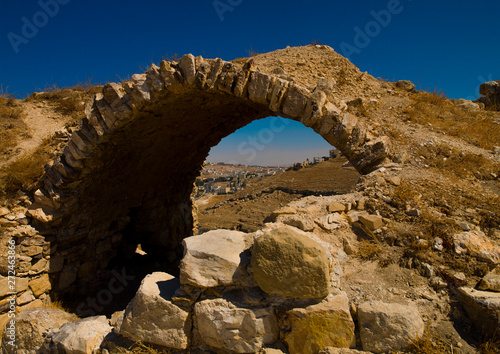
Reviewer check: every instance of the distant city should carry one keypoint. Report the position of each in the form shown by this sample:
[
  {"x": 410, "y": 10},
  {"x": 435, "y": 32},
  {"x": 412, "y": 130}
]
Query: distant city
[{"x": 218, "y": 178}]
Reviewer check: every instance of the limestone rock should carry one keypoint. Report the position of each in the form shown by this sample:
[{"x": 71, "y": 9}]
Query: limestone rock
[
  {"x": 477, "y": 244},
  {"x": 188, "y": 68},
  {"x": 40, "y": 285},
  {"x": 300, "y": 221},
  {"x": 372, "y": 222},
  {"x": 336, "y": 207},
  {"x": 315, "y": 327},
  {"x": 83, "y": 336},
  {"x": 30, "y": 326},
  {"x": 291, "y": 264},
  {"x": 491, "y": 281},
  {"x": 405, "y": 85},
  {"x": 214, "y": 258},
  {"x": 482, "y": 307},
  {"x": 385, "y": 327},
  {"x": 223, "y": 325},
  {"x": 286, "y": 210},
  {"x": 469, "y": 106},
  {"x": 151, "y": 317}
]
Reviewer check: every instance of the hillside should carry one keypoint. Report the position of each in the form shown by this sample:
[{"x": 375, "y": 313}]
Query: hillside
[
  {"x": 422, "y": 227},
  {"x": 248, "y": 209}
]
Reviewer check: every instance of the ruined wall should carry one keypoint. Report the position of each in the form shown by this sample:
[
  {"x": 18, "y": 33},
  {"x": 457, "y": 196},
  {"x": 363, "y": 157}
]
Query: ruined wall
[{"x": 126, "y": 176}]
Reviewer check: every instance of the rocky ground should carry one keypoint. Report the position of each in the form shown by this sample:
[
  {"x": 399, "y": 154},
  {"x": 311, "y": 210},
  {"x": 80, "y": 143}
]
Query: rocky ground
[{"x": 404, "y": 261}]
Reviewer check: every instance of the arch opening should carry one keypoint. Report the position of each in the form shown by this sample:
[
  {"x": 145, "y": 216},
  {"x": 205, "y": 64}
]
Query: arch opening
[{"x": 125, "y": 178}]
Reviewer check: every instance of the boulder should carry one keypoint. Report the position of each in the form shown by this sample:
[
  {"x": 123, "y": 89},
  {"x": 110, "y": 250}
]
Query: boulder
[
  {"x": 389, "y": 327},
  {"x": 151, "y": 317},
  {"x": 83, "y": 336},
  {"x": 491, "y": 92},
  {"x": 288, "y": 263},
  {"x": 405, "y": 85},
  {"x": 30, "y": 326},
  {"x": 214, "y": 258},
  {"x": 223, "y": 325},
  {"x": 478, "y": 245},
  {"x": 491, "y": 281},
  {"x": 482, "y": 307},
  {"x": 327, "y": 324}
]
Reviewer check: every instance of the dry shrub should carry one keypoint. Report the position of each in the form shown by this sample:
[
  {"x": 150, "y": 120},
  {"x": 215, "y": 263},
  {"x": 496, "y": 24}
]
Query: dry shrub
[
  {"x": 429, "y": 343},
  {"x": 480, "y": 128},
  {"x": 369, "y": 250},
  {"x": 11, "y": 123}
]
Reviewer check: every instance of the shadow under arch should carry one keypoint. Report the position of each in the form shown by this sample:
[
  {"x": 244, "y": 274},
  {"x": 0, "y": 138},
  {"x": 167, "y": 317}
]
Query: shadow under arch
[{"x": 126, "y": 176}]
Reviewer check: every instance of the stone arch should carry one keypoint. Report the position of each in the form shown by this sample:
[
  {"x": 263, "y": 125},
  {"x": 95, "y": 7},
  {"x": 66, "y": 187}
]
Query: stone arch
[{"x": 127, "y": 173}]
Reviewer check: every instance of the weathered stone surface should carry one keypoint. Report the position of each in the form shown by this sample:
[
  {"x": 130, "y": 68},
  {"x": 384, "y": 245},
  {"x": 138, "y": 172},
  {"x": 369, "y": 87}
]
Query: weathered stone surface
[
  {"x": 151, "y": 317},
  {"x": 477, "y": 244},
  {"x": 25, "y": 298},
  {"x": 83, "y": 336},
  {"x": 288, "y": 263},
  {"x": 336, "y": 207},
  {"x": 372, "y": 222},
  {"x": 385, "y": 327},
  {"x": 40, "y": 285},
  {"x": 214, "y": 258},
  {"x": 491, "y": 92},
  {"x": 30, "y": 326},
  {"x": 295, "y": 101},
  {"x": 315, "y": 327},
  {"x": 258, "y": 87},
  {"x": 223, "y": 325},
  {"x": 300, "y": 221},
  {"x": 187, "y": 65},
  {"x": 405, "y": 85},
  {"x": 482, "y": 307},
  {"x": 491, "y": 281}
]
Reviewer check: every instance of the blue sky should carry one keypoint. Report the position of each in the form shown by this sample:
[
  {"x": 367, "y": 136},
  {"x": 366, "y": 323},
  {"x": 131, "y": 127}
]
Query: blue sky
[{"x": 449, "y": 45}]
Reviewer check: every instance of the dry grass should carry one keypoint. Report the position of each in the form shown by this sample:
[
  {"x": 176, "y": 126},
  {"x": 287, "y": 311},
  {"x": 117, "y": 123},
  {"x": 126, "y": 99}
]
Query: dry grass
[
  {"x": 430, "y": 343},
  {"x": 480, "y": 128},
  {"x": 69, "y": 101},
  {"x": 462, "y": 165},
  {"x": 25, "y": 171},
  {"x": 11, "y": 123},
  {"x": 369, "y": 250}
]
